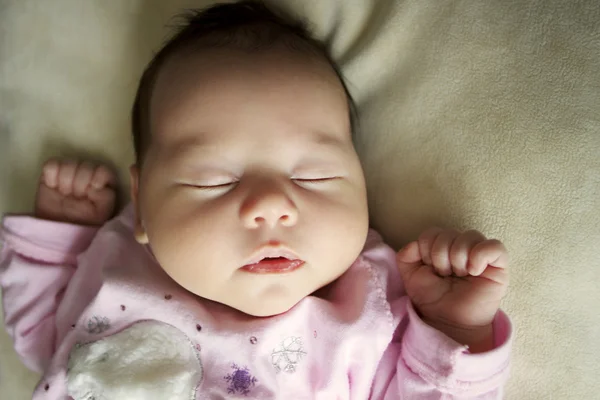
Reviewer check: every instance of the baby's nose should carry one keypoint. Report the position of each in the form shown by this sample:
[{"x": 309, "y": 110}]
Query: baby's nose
[{"x": 269, "y": 207}]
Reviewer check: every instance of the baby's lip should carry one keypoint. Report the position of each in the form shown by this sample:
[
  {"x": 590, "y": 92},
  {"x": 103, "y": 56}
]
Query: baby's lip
[{"x": 270, "y": 251}]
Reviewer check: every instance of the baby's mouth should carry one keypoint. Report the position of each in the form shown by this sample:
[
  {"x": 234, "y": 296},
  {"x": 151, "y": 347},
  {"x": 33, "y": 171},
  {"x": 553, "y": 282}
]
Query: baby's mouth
[
  {"x": 272, "y": 258},
  {"x": 273, "y": 265}
]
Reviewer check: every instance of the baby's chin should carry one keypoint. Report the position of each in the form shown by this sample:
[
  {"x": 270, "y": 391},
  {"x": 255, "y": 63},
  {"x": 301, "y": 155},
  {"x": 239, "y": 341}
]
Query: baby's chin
[
  {"x": 267, "y": 307},
  {"x": 267, "y": 310},
  {"x": 266, "y": 303}
]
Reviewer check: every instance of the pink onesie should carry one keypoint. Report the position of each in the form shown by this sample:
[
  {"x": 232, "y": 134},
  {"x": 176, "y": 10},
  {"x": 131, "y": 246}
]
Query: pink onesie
[{"x": 93, "y": 311}]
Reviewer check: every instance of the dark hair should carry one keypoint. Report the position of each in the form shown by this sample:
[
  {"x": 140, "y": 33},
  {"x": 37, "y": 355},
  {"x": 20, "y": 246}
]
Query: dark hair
[{"x": 248, "y": 25}]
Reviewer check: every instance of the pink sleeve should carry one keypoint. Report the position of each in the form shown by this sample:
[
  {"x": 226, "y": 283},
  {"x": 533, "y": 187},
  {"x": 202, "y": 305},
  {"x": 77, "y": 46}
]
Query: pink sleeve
[
  {"x": 37, "y": 260},
  {"x": 422, "y": 362},
  {"x": 428, "y": 363}
]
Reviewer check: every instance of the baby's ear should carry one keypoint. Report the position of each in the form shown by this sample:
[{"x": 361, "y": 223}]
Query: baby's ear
[{"x": 139, "y": 230}]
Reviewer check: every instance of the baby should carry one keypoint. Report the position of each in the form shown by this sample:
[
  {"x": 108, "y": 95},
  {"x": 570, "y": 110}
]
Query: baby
[{"x": 244, "y": 267}]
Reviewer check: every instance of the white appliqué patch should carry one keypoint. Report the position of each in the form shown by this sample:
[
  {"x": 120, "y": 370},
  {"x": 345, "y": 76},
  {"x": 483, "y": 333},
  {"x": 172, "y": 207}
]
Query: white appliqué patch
[
  {"x": 149, "y": 360},
  {"x": 288, "y": 354}
]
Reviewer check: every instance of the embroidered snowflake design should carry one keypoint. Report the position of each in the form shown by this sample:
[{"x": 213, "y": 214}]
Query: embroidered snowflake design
[
  {"x": 240, "y": 380},
  {"x": 288, "y": 354},
  {"x": 97, "y": 325}
]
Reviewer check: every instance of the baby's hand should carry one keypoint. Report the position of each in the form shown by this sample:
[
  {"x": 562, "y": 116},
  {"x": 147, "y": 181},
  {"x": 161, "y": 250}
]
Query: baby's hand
[
  {"x": 456, "y": 281},
  {"x": 75, "y": 192}
]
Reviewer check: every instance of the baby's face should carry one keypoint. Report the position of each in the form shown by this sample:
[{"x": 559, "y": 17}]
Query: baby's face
[{"x": 251, "y": 156}]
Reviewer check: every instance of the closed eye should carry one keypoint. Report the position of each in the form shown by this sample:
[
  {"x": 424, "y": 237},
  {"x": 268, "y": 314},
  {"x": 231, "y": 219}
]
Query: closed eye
[
  {"x": 220, "y": 186},
  {"x": 316, "y": 180}
]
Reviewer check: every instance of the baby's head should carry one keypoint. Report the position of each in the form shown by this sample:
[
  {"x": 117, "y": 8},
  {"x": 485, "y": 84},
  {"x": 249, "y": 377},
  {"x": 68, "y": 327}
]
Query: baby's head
[{"x": 243, "y": 137}]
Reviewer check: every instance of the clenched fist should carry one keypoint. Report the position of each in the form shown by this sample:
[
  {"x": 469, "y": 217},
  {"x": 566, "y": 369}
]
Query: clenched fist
[
  {"x": 80, "y": 193},
  {"x": 456, "y": 281}
]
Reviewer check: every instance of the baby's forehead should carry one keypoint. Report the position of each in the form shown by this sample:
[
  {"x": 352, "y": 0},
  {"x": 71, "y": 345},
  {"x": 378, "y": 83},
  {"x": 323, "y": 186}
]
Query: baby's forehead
[{"x": 220, "y": 85}]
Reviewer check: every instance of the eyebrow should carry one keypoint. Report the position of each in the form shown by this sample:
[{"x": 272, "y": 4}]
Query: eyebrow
[
  {"x": 326, "y": 140},
  {"x": 197, "y": 142},
  {"x": 187, "y": 142},
  {"x": 186, "y": 145}
]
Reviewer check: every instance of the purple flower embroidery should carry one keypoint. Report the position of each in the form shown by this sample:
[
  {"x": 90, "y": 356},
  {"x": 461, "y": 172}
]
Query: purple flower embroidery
[
  {"x": 97, "y": 325},
  {"x": 240, "y": 380}
]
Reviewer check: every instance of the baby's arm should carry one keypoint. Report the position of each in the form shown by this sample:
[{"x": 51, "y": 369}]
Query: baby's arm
[
  {"x": 425, "y": 360},
  {"x": 39, "y": 253},
  {"x": 424, "y": 363}
]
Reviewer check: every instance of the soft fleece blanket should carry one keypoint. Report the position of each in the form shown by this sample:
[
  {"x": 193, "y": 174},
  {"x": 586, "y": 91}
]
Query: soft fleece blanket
[{"x": 481, "y": 114}]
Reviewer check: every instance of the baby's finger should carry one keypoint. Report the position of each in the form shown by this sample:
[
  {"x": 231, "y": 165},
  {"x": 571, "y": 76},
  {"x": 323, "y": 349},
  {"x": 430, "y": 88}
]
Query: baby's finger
[
  {"x": 489, "y": 252},
  {"x": 440, "y": 252},
  {"x": 66, "y": 174},
  {"x": 426, "y": 241},
  {"x": 77, "y": 211},
  {"x": 83, "y": 177},
  {"x": 498, "y": 275},
  {"x": 459, "y": 253},
  {"x": 50, "y": 174},
  {"x": 408, "y": 260},
  {"x": 103, "y": 177},
  {"x": 103, "y": 200}
]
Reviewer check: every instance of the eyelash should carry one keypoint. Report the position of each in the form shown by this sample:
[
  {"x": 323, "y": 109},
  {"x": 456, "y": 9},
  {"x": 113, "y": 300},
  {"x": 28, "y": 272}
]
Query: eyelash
[
  {"x": 298, "y": 180},
  {"x": 316, "y": 180},
  {"x": 213, "y": 187}
]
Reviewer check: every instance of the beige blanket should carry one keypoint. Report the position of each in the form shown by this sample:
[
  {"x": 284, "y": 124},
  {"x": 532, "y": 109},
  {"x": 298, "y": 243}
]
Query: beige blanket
[{"x": 481, "y": 114}]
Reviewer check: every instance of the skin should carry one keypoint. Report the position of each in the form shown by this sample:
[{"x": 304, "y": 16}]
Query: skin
[
  {"x": 80, "y": 193},
  {"x": 250, "y": 150},
  {"x": 456, "y": 281}
]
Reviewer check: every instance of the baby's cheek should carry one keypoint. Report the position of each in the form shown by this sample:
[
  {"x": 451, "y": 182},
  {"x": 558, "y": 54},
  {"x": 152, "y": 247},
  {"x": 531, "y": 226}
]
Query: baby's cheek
[
  {"x": 195, "y": 253},
  {"x": 341, "y": 227}
]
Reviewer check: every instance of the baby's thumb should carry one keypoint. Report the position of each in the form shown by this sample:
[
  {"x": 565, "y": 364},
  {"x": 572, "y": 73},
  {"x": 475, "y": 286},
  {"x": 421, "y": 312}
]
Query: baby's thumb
[
  {"x": 102, "y": 197},
  {"x": 409, "y": 259}
]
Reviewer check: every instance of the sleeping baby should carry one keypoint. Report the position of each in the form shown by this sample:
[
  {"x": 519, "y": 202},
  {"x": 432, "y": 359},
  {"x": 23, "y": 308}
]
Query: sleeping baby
[{"x": 244, "y": 266}]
